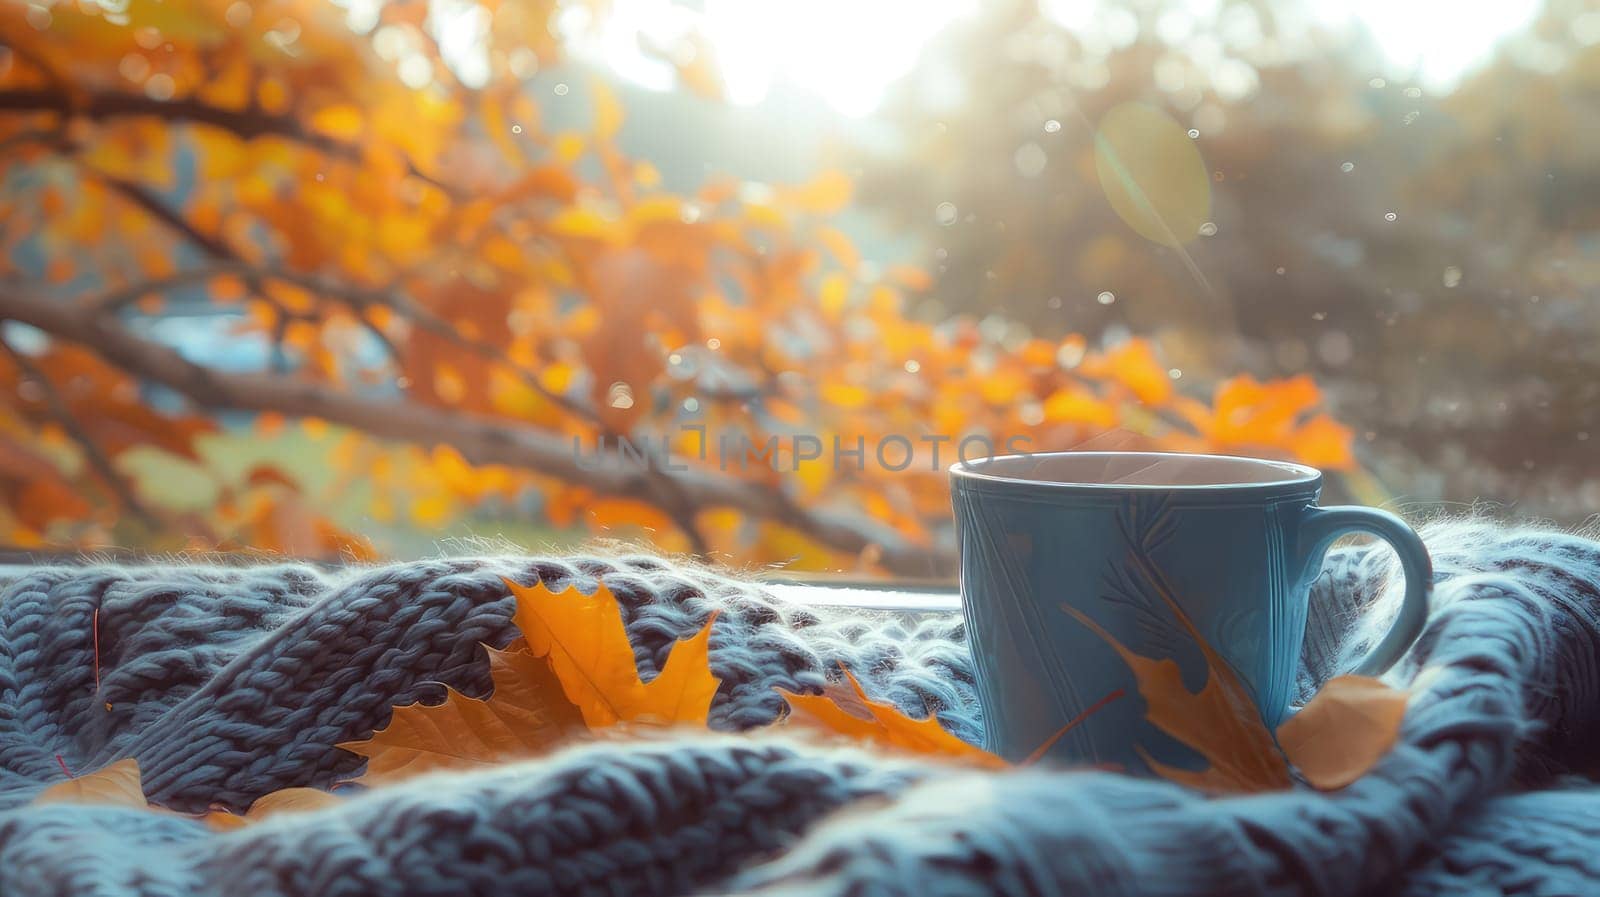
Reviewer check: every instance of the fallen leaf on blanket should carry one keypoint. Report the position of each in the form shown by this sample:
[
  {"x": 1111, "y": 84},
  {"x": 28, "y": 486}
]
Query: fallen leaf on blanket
[
  {"x": 588, "y": 648},
  {"x": 115, "y": 785},
  {"x": 526, "y": 714},
  {"x": 1220, "y": 722},
  {"x": 1343, "y": 730},
  {"x": 844, "y": 709},
  {"x": 285, "y": 800}
]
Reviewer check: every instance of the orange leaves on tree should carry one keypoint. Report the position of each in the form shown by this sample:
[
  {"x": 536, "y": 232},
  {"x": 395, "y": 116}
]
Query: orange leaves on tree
[
  {"x": 1249, "y": 415},
  {"x": 498, "y": 272},
  {"x": 847, "y": 711},
  {"x": 586, "y": 645},
  {"x": 1134, "y": 365}
]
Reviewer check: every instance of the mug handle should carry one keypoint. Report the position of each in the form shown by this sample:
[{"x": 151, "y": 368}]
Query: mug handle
[{"x": 1321, "y": 526}]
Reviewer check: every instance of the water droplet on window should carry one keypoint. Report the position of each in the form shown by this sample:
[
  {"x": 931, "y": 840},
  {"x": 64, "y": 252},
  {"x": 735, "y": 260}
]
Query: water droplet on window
[
  {"x": 1106, "y": 298},
  {"x": 147, "y": 37},
  {"x": 415, "y": 71},
  {"x": 1319, "y": 316},
  {"x": 1452, "y": 276},
  {"x": 691, "y": 404},
  {"x": 1175, "y": 374},
  {"x": 160, "y": 87},
  {"x": 1281, "y": 271},
  {"x": 713, "y": 343},
  {"x": 38, "y": 16},
  {"x": 516, "y": 129},
  {"x": 238, "y": 14},
  {"x": 913, "y": 366},
  {"x": 1347, "y": 167},
  {"x": 134, "y": 66},
  {"x": 1583, "y": 436},
  {"x": 1070, "y": 355},
  {"x": 684, "y": 364},
  {"x": 1389, "y": 216},
  {"x": 1055, "y": 302},
  {"x": 561, "y": 90},
  {"x": 946, "y": 213},
  {"x": 1030, "y": 160},
  {"x": 1193, "y": 133},
  {"x": 1335, "y": 348},
  {"x": 1052, "y": 126},
  {"x": 1031, "y": 414},
  {"x": 1209, "y": 229},
  {"x": 1410, "y": 117},
  {"x": 1413, "y": 92},
  {"x": 524, "y": 62},
  {"x": 1377, "y": 84},
  {"x": 620, "y": 395}
]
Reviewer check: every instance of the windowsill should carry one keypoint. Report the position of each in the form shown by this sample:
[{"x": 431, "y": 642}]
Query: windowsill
[{"x": 916, "y": 601}]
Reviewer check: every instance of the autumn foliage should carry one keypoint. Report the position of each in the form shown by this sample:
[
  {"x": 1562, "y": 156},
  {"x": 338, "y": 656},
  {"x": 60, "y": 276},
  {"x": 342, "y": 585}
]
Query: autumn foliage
[{"x": 444, "y": 293}]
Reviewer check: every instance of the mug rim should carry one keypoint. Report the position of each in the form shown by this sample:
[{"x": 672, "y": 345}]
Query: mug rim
[{"x": 1298, "y": 478}]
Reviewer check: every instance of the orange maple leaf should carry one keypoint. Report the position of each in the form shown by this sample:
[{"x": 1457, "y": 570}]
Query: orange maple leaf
[
  {"x": 1219, "y": 722},
  {"x": 1348, "y": 726},
  {"x": 115, "y": 785},
  {"x": 284, "y": 800},
  {"x": 852, "y": 714},
  {"x": 1344, "y": 730},
  {"x": 587, "y": 647},
  {"x": 525, "y": 715}
]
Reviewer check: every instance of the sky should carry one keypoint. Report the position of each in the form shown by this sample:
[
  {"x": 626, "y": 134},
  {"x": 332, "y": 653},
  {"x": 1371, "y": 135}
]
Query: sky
[{"x": 847, "y": 52}]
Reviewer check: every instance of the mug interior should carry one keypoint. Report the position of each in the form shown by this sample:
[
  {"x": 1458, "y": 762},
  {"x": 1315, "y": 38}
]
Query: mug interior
[{"x": 1158, "y": 470}]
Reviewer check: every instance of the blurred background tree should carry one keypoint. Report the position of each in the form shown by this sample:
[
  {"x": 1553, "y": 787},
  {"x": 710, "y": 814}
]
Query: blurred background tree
[
  {"x": 348, "y": 278},
  {"x": 1427, "y": 252}
]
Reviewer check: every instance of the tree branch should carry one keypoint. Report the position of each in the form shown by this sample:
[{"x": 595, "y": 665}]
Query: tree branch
[
  {"x": 105, "y": 105},
  {"x": 246, "y": 124},
  {"x": 92, "y": 453},
  {"x": 481, "y": 440},
  {"x": 357, "y": 298}
]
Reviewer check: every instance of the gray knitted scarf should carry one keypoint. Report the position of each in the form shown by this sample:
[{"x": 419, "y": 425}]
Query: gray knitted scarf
[{"x": 229, "y": 683}]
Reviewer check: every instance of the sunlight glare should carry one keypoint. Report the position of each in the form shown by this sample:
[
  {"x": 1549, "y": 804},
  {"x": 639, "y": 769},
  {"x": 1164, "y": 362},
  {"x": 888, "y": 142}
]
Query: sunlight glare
[
  {"x": 1435, "y": 41},
  {"x": 848, "y": 52}
]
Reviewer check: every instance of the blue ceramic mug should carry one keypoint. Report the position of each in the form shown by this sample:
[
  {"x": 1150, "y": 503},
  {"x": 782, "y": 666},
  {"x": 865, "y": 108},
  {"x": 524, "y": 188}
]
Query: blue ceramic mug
[{"x": 1072, "y": 563}]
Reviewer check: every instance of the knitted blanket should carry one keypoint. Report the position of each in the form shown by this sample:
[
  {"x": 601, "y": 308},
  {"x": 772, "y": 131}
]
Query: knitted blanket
[{"x": 229, "y": 683}]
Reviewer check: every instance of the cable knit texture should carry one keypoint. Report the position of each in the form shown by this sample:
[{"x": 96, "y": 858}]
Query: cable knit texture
[{"x": 227, "y": 683}]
